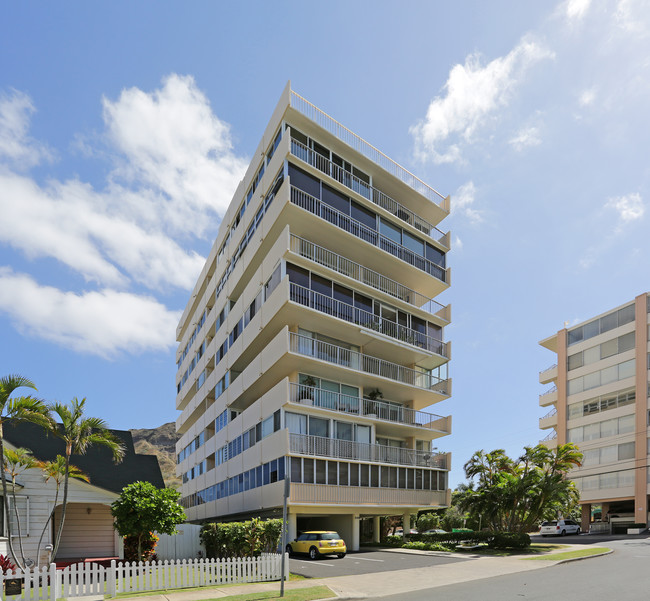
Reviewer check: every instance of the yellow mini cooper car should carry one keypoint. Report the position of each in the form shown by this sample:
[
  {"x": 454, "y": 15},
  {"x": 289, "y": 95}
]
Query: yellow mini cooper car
[{"x": 317, "y": 543}]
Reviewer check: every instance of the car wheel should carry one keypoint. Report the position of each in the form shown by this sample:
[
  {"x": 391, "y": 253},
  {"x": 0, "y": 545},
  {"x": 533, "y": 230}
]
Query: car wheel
[
  {"x": 544, "y": 535},
  {"x": 289, "y": 550},
  {"x": 563, "y": 533},
  {"x": 313, "y": 553},
  {"x": 578, "y": 531},
  {"x": 340, "y": 555}
]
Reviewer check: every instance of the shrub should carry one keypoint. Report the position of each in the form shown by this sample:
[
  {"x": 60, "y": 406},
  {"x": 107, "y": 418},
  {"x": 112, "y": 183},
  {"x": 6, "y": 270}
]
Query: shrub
[
  {"x": 6, "y": 565},
  {"x": 509, "y": 540},
  {"x": 421, "y": 546},
  {"x": 496, "y": 540},
  {"x": 149, "y": 542},
  {"x": 241, "y": 539}
]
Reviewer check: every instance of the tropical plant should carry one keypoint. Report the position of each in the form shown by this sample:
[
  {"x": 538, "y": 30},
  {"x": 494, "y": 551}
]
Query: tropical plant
[
  {"x": 15, "y": 462},
  {"x": 147, "y": 541},
  {"x": 240, "y": 539},
  {"x": 17, "y": 409},
  {"x": 428, "y": 521},
  {"x": 56, "y": 470},
  {"x": 142, "y": 509},
  {"x": 79, "y": 433},
  {"x": 6, "y": 565},
  {"x": 514, "y": 495}
]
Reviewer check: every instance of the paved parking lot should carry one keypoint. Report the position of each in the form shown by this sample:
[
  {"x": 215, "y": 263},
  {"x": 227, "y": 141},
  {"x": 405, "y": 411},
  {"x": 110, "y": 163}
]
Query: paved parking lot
[{"x": 364, "y": 562}]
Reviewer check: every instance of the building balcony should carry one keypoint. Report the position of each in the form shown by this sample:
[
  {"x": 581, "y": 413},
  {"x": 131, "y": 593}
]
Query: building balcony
[
  {"x": 549, "y": 420},
  {"x": 362, "y": 188},
  {"x": 342, "y": 221},
  {"x": 550, "y": 440},
  {"x": 323, "y": 494},
  {"x": 319, "y": 446},
  {"x": 340, "y": 310},
  {"x": 391, "y": 414},
  {"x": 368, "y": 277},
  {"x": 548, "y": 397},
  {"x": 548, "y": 375}
]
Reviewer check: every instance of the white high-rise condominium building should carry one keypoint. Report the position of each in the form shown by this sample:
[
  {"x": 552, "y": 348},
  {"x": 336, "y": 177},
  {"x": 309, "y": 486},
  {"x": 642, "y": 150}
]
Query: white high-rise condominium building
[
  {"x": 312, "y": 341},
  {"x": 599, "y": 401}
]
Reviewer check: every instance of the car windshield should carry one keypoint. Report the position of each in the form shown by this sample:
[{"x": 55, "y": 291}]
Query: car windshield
[
  {"x": 330, "y": 536},
  {"x": 549, "y": 524}
]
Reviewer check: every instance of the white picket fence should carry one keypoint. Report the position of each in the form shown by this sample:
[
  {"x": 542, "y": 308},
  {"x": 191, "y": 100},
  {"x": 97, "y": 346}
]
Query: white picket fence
[{"x": 86, "y": 579}]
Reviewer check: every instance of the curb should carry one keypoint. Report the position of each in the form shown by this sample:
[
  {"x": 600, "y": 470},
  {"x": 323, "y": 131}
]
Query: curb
[{"x": 561, "y": 561}]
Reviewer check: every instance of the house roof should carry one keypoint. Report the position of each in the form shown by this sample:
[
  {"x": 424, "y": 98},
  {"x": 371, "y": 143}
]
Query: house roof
[{"x": 97, "y": 463}]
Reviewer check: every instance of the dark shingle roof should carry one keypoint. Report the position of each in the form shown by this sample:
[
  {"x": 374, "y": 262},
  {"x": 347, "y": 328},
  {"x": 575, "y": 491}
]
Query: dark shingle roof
[{"x": 97, "y": 463}]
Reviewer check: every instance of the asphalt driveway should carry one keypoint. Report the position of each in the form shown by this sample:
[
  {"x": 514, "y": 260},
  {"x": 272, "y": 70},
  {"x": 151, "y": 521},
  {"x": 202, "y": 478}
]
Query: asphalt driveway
[{"x": 364, "y": 562}]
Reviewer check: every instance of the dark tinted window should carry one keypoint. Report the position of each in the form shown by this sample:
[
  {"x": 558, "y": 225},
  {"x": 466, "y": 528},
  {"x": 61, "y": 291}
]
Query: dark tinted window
[
  {"x": 365, "y": 216},
  {"x": 298, "y": 275},
  {"x": 329, "y": 536},
  {"x": 435, "y": 256},
  {"x": 336, "y": 199},
  {"x": 304, "y": 181}
]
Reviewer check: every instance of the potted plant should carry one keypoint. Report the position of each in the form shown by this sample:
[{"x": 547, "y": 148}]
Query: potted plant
[
  {"x": 369, "y": 408},
  {"x": 306, "y": 392}
]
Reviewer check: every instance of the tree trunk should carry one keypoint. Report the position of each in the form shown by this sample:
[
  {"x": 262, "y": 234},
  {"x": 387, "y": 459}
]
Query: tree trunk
[
  {"x": 5, "y": 500},
  {"x": 49, "y": 519},
  {"x": 20, "y": 538},
  {"x": 140, "y": 546},
  {"x": 68, "y": 452}
]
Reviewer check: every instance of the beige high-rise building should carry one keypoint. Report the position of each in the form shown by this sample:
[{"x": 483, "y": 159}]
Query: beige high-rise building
[
  {"x": 312, "y": 343},
  {"x": 599, "y": 401}
]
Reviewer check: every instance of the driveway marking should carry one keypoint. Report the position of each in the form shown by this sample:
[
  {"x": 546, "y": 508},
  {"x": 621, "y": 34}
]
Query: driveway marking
[{"x": 367, "y": 559}]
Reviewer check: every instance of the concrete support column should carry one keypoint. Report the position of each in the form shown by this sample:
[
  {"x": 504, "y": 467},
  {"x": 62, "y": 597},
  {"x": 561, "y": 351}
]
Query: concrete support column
[
  {"x": 406, "y": 524},
  {"x": 292, "y": 529},
  {"x": 376, "y": 529},
  {"x": 605, "y": 510},
  {"x": 641, "y": 410},
  {"x": 354, "y": 543},
  {"x": 586, "y": 517}
]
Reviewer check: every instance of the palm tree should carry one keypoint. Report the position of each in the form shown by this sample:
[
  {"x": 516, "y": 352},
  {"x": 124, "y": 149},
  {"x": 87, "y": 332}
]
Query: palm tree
[
  {"x": 55, "y": 470},
  {"x": 17, "y": 409},
  {"x": 79, "y": 433},
  {"x": 15, "y": 462}
]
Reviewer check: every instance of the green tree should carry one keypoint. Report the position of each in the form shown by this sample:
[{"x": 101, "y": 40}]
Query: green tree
[
  {"x": 79, "y": 433},
  {"x": 142, "y": 508},
  {"x": 514, "y": 495},
  {"x": 17, "y": 409},
  {"x": 56, "y": 470}
]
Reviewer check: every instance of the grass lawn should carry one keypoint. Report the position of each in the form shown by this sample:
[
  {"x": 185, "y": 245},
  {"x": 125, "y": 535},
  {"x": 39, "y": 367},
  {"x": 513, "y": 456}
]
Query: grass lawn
[
  {"x": 298, "y": 594},
  {"x": 571, "y": 554}
]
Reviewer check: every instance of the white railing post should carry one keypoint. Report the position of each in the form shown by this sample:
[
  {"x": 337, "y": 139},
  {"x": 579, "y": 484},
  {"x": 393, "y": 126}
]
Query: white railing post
[{"x": 54, "y": 584}]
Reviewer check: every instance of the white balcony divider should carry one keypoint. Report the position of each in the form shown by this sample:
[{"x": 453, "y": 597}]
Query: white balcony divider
[
  {"x": 360, "y": 145},
  {"x": 309, "y": 156},
  {"x": 320, "y": 446},
  {"x": 356, "y": 228},
  {"x": 352, "y": 405},
  {"x": 339, "y": 355},
  {"x": 93, "y": 579},
  {"x": 358, "y": 272},
  {"x": 331, "y": 306}
]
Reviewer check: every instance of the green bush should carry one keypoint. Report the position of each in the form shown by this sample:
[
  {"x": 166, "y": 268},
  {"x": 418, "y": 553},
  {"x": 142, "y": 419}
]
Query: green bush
[
  {"x": 241, "y": 539},
  {"x": 509, "y": 540},
  {"x": 149, "y": 542},
  {"x": 496, "y": 540},
  {"x": 421, "y": 546}
]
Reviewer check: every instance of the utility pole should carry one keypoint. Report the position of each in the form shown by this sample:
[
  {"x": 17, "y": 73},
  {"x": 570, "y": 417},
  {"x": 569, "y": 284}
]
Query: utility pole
[{"x": 283, "y": 550}]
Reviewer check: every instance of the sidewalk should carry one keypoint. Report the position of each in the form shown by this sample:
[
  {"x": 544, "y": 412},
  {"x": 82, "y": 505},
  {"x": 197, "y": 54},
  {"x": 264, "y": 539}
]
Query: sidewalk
[{"x": 378, "y": 584}]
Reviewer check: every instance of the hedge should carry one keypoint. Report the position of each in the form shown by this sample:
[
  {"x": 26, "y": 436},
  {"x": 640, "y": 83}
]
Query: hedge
[
  {"x": 496, "y": 540},
  {"x": 241, "y": 539}
]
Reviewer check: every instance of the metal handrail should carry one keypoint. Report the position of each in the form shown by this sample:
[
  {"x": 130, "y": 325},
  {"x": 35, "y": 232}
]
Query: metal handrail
[
  {"x": 356, "y": 228},
  {"x": 549, "y": 368},
  {"x": 358, "y": 272},
  {"x": 354, "y": 183},
  {"x": 549, "y": 391},
  {"x": 360, "y": 145},
  {"x": 312, "y": 396},
  {"x": 551, "y": 413},
  {"x": 306, "y": 444},
  {"x": 551, "y": 436},
  {"x": 339, "y": 355},
  {"x": 331, "y": 306}
]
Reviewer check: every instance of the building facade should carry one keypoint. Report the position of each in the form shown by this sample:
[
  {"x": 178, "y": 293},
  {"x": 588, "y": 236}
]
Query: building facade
[
  {"x": 312, "y": 341},
  {"x": 599, "y": 401}
]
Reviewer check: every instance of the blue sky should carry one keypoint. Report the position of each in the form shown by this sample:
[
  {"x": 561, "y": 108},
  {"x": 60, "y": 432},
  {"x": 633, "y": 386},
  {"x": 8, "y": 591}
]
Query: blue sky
[{"x": 125, "y": 127}]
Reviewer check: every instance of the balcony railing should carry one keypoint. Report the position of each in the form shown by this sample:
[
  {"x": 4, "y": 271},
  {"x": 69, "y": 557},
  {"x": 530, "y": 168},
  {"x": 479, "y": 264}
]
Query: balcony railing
[
  {"x": 551, "y": 413},
  {"x": 305, "y": 444},
  {"x": 549, "y": 368},
  {"x": 324, "y": 494},
  {"x": 356, "y": 228},
  {"x": 306, "y": 154},
  {"x": 331, "y": 306},
  {"x": 345, "y": 357},
  {"x": 358, "y": 272},
  {"x": 549, "y": 391},
  {"x": 352, "y": 405},
  {"x": 551, "y": 436},
  {"x": 360, "y": 145}
]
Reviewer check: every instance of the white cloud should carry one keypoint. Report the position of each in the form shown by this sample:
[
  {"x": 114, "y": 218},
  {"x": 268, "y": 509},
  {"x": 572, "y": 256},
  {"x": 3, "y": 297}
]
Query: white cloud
[
  {"x": 15, "y": 144},
  {"x": 458, "y": 243},
  {"x": 473, "y": 95},
  {"x": 631, "y": 16},
  {"x": 173, "y": 175},
  {"x": 587, "y": 97},
  {"x": 629, "y": 207},
  {"x": 101, "y": 323},
  {"x": 463, "y": 200},
  {"x": 577, "y": 9},
  {"x": 525, "y": 138}
]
